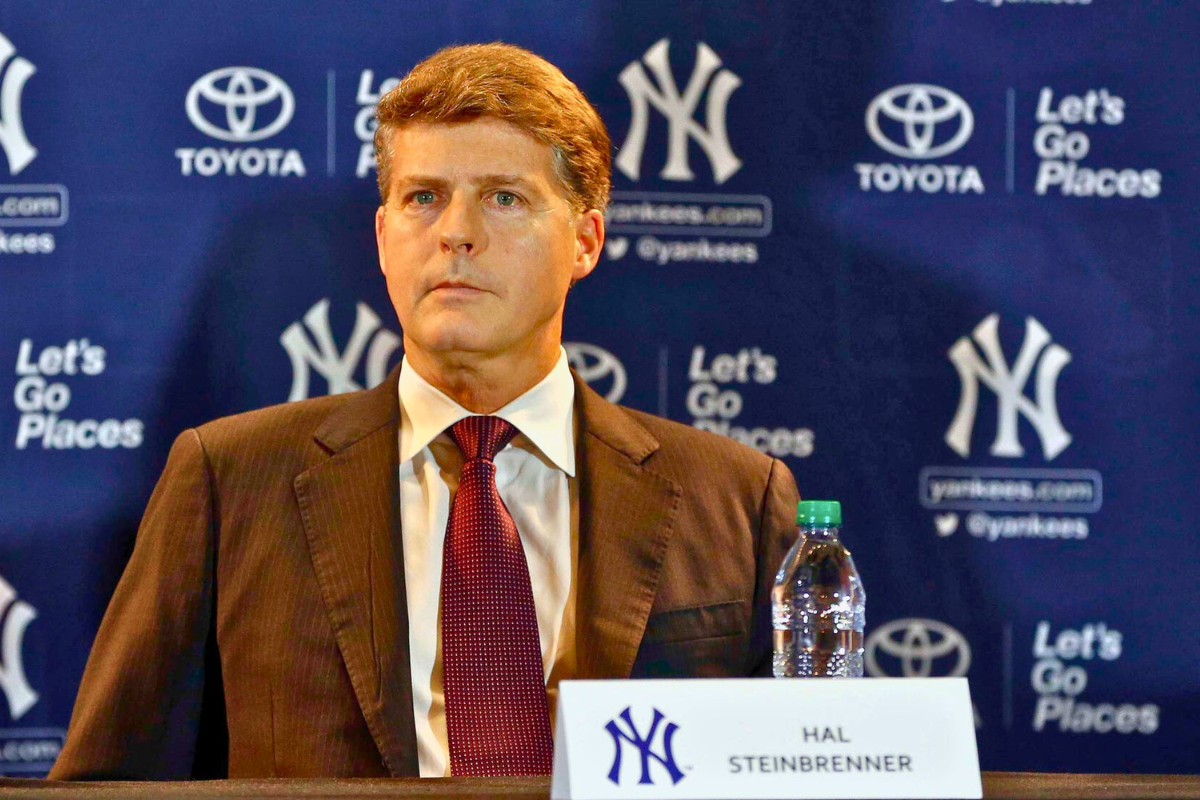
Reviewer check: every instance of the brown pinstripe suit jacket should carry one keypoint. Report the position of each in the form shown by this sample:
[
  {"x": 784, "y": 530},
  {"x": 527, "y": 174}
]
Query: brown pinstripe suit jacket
[{"x": 260, "y": 627}]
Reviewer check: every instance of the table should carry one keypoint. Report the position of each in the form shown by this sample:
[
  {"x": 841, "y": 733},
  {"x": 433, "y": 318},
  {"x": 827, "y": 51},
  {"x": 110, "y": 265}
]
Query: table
[{"x": 996, "y": 786}]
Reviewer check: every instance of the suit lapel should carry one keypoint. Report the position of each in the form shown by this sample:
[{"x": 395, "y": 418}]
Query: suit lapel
[
  {"x": 627, "y": 513},
  {"x": 349, "y": 506}
]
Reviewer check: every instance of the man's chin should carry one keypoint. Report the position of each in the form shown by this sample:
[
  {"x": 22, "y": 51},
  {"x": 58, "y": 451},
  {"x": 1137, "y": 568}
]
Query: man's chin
[{"x": 456, "y": 341}]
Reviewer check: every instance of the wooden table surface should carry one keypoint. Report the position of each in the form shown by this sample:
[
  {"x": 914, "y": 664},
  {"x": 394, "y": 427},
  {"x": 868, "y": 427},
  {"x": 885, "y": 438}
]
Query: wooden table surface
[{"x": 996, "y": 786}]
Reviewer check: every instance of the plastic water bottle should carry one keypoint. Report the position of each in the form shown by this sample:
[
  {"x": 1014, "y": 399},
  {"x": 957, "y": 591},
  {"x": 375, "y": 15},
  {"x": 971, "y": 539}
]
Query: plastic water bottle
[{"x": 818, "y": 603}]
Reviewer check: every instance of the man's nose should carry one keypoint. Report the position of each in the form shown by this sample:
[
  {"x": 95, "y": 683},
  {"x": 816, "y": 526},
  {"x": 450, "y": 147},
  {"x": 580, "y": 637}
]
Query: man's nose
[{"x": 462, "y": 229}]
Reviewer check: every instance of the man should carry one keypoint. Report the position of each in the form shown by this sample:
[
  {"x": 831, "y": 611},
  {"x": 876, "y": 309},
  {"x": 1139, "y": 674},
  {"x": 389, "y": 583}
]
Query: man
[{"x": 394, "y": 581}]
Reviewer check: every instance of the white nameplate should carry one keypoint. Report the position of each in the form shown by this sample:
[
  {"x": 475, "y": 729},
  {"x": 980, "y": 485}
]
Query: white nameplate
[{"x": 766, "y": 739}]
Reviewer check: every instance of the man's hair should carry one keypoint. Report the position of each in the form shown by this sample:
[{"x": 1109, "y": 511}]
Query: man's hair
[{"x": 502, "y": 81}]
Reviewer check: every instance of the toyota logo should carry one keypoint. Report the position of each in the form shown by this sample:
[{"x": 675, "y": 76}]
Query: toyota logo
[
  {"x": 242, "y": 92},
  {"x": 919, "y": 108},
  {"x": 595, "y": 365},
  {"x": 916, "y": 646}
]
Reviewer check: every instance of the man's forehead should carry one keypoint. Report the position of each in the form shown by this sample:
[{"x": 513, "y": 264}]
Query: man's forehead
[
  {"x": 480, "y": 137},
  {"x": 482, "y": 150}
]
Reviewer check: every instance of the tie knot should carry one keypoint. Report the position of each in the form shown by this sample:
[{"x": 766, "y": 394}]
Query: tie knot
[{"x": 481, "y": 437}]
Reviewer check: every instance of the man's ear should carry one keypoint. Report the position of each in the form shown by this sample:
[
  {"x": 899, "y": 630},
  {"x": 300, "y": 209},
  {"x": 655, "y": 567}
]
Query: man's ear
[
  {"x": 589, "y": 243},
  {"x": 379, "y": 220}
]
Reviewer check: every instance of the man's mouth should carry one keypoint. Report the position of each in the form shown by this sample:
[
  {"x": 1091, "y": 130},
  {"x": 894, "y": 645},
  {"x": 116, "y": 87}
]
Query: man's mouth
[{"x": 457, "y": 288}]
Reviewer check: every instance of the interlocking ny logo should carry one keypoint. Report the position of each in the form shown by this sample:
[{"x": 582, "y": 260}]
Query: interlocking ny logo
[
  {"x": 644, "y": 745},
  {"x": 678, "y": 109},
  {"x": 241, "y": 91},
  {"x": 17, "y": 691},
  {"x": 920, "y": 108},
  {"x": 1009, "y": 386},
  {"x": 16, "y": 146},
  {"x": 337, "y": 368}
]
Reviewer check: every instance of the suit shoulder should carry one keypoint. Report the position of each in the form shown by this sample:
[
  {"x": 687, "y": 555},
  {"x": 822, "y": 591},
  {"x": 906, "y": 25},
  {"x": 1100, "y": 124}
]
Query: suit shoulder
[
  {"x": 277, "y": 438},
  {"x": 707, "y": 454},
  {"x": 271, "y": 422}
]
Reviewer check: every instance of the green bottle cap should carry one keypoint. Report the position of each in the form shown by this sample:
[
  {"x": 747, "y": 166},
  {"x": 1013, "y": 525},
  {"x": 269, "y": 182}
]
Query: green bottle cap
[{"x": 819, "y": 513}]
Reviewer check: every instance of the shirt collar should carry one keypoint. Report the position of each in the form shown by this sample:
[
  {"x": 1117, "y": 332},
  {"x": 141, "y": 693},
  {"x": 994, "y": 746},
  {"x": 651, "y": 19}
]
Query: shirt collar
[{"x": 544, "y": 414}]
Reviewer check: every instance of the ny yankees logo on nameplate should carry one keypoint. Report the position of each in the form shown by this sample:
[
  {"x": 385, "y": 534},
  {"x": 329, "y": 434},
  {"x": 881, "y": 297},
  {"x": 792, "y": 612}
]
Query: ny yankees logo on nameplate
[
  {"x": 623, "y": 730},
  {"x": 755, "y": 739}
]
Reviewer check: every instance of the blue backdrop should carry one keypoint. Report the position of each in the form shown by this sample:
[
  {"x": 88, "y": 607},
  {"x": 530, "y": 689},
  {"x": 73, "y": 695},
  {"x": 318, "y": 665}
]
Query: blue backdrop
[{"x": 939, "y": 255}]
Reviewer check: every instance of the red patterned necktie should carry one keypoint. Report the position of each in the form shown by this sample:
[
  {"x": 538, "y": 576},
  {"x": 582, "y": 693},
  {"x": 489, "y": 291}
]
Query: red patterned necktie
[{"x": 497, "y": 717}]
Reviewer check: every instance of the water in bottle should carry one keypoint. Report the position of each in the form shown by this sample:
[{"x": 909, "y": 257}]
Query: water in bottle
[{"x": 818, "y": 603}]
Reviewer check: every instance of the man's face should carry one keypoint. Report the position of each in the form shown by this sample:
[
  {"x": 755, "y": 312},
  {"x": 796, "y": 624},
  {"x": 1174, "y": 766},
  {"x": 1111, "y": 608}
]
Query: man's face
[{"x": 478, "y": 241}]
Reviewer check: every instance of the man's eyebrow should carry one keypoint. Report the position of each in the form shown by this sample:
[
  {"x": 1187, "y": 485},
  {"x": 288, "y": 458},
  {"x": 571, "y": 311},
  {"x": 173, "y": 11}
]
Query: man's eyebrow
[
  {"x": 420, "y": 180},
  {"x": 504, "y": 180},
  {"x": 490, "y": 180}
]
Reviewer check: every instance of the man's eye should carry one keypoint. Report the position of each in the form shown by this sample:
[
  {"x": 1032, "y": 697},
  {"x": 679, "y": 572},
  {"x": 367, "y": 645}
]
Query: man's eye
[
  {"x": 506, "y": 199},
  {"x": 423, "y": 198}
]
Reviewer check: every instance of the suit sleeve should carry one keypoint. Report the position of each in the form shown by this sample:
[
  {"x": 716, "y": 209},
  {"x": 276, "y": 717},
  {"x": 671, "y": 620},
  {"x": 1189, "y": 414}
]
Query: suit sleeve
[
  {"x": 138, "y": 712},
  {"x": 776, "y": 533}
]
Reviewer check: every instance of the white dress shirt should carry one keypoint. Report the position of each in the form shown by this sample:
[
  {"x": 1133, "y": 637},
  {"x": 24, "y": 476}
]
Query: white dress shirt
[{"x": 535, "y": 476}]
